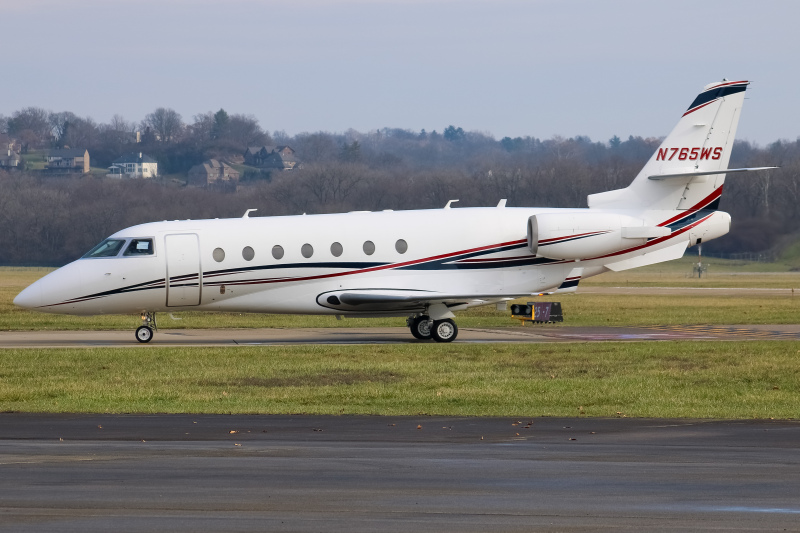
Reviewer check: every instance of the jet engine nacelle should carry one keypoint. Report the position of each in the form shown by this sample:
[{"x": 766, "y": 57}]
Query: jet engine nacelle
[{"x": 585, "y": 235}]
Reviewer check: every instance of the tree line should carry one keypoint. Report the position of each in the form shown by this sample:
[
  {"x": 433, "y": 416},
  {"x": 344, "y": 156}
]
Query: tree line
[
  {"x": 163, "y": 134},
  {"x": 50, "y": 221}
]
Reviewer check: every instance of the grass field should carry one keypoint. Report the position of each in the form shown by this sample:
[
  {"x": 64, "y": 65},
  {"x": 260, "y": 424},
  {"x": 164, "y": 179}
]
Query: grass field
[
  {"x": 35, "y": 159},
  {"x": 753, "y": 379},
  {"x": 655, "y": 379}
]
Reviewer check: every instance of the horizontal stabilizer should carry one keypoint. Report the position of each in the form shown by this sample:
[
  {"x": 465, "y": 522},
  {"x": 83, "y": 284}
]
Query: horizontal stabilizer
[
  {"x": 664, "y": 254},
  {"x": 706, "y": 173}
]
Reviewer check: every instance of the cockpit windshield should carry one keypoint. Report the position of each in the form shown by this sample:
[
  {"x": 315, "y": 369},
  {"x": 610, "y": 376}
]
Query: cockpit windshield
[
  {"x": 140, "y": 247},
  {"x": 107, "y": 248}
]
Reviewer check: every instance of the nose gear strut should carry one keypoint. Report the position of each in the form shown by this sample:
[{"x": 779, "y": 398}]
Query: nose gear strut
[{"x": 144, "y": 333}]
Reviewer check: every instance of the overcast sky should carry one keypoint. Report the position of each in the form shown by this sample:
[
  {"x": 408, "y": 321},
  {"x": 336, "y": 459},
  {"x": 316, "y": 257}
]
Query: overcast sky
[{"x": 504, "y": 67}]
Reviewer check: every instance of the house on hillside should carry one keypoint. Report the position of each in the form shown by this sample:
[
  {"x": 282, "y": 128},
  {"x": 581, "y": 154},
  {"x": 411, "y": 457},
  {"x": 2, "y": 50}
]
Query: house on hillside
[
  {"x": 11, "y": 160},
  {"x": 271, "y": 157},
  {"x": 67, "y": 161},
  {"x": 212, "y": 172},
  {"x": 133, "y": 165},
  {"x": 253, "y": 155},
  {"x": 8, "y": 142}
]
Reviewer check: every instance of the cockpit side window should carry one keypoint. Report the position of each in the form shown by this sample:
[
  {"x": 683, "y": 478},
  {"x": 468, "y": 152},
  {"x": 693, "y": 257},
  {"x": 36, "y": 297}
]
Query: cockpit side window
[
  {"x": 107, "y": 248},
  {"x": 139, "y": 247}
]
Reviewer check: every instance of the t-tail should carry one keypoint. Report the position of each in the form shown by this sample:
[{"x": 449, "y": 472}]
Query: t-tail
[
  {"x": 671, "y": 204},
  {"x": 688, "y": 169}
]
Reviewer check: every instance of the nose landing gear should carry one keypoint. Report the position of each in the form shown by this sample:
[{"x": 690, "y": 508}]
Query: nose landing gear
[{"x": 144, "y": 333}]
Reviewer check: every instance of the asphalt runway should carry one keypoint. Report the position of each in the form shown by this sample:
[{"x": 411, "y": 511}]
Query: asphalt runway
[
  {"x": 352, "y": 474},
  {"x": 397, "y": 335}
]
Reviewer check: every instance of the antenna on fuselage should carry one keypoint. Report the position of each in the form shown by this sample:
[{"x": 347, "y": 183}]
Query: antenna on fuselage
[
  {"x": 448, "y": 203},
  {"x": 247, "y": 213}
]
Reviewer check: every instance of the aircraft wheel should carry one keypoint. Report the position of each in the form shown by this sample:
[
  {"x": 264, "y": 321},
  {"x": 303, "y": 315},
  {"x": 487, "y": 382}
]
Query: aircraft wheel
[
  {"x": 444, "y": 330},
  {"x": 421, "y": 327},
  {"x": 144, "y": 334}
]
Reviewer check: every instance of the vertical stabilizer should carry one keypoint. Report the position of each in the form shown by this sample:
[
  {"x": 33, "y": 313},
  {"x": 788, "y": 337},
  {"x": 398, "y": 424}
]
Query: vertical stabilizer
[{"x": 701, "y": 141}]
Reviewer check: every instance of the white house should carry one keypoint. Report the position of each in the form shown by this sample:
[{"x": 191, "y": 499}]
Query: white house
[{"x": 133, "y": 165}]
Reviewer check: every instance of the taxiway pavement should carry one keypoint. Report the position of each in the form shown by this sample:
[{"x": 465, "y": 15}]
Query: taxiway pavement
[
  {"x": 396, "y": 335},
  {"x": 352, "y": 474}
]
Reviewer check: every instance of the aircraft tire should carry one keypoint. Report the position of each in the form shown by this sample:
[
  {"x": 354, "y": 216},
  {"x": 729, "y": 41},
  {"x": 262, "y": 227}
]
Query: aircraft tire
[
  {"x": 144, "y": 334},
  {"x": 420, "y": 328},
  {"x": 444, "y": 330}
]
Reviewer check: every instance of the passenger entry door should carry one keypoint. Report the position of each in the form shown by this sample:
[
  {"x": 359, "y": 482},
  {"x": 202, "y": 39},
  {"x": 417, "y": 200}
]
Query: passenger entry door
[{"x": 183, "y": 270}]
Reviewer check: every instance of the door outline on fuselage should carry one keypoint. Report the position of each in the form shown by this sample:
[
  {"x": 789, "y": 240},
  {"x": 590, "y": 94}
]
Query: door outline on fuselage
[{"x": 183, "y": 272}]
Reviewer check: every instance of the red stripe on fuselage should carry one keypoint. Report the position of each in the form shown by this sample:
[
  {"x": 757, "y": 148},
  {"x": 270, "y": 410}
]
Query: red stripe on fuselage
[
  {"x": 496, "y": 259},
  {"x": 550, "y": 241}
]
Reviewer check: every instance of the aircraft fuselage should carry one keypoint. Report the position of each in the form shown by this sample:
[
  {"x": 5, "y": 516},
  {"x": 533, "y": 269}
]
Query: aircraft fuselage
[{"x": 293, "y": 264}]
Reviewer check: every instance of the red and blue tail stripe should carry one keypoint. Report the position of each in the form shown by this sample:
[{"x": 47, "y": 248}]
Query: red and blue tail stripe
[
  {"x": 712, "y": 94},
  {"x": 699, "y": 210}
]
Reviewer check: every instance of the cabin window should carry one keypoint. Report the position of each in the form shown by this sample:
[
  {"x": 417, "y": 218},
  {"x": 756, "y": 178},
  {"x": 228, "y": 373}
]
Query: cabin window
[
  {"x": 277, "y": 252},
  {"x": 218, "y": 254},
  {"x": 248, "y": 254},
  {"x": 107, "y": 248},
  {"x": 307, "y": 250},
  {"x": 336, "y": 249},
  {"x": 401, "y": 246},
  {"x": 369, "y": 247},
  {"x": 139, "y": 247}
]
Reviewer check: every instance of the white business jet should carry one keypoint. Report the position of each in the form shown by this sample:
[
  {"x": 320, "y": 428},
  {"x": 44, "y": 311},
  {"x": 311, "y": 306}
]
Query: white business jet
[{"x": 424, "y": 265}]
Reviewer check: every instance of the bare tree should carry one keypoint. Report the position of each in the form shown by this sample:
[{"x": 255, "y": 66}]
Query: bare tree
[
  {"x": 118, "y": 123},
  {"x": 59, "y": 123},
  {"x": 244, "y": 131},
  {"x": 80, "y": 133},
  {"x": 166, "y": 123},
  {"x": 315, "y": 147},
  {"x": 281, "y": 137},
  {"x": 202, "y": 128},
  {"x": 31, "y": 126}
]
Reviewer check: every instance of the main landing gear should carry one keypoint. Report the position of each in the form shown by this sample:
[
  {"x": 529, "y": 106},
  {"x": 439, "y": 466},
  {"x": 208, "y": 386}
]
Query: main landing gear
[
  {"x": 424, "y": 328},
  {"x": 144, "y": 333}
]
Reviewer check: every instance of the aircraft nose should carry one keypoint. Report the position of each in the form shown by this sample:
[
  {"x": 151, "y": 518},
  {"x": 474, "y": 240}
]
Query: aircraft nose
[
  {"x": 31, "y": 297},
  {"x": 52, "y": 290}
]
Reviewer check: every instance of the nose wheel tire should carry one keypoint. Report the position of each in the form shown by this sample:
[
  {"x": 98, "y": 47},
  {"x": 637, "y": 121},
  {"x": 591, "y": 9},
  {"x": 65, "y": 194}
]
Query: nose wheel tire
[
  {"x": 421, "y": 327},
  {"x": 444, "y": 330},
  {"x": 144, "y": 334}
]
